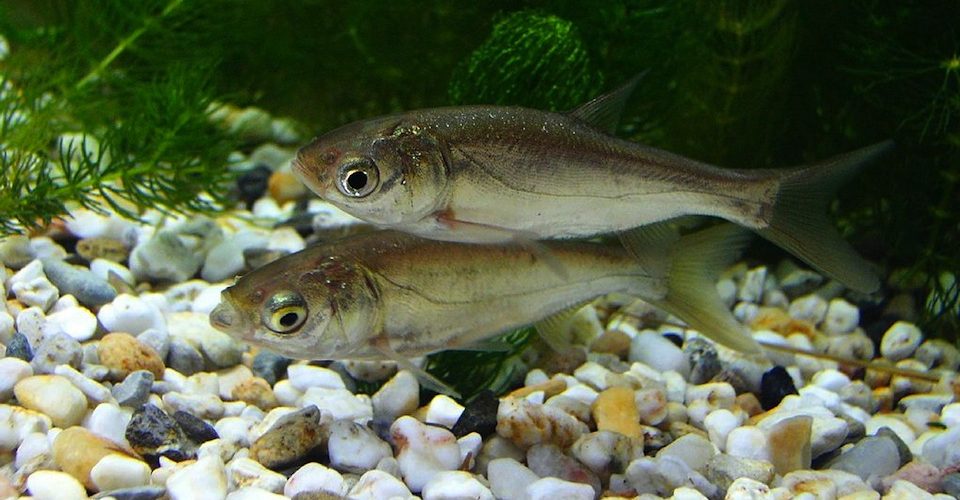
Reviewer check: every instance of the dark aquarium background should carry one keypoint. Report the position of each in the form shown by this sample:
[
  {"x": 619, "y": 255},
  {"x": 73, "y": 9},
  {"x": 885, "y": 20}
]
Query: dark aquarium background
[{"x": 747, "y": 83}]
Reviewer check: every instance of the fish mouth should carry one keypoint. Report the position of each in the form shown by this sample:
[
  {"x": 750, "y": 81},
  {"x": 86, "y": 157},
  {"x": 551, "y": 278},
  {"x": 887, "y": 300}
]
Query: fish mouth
[{"x": 226, "y": 317}]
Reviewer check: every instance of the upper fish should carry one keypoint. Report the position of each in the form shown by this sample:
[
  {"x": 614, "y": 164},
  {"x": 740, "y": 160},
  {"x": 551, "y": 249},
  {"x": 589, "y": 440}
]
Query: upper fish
[{"x": 485, "y": 174}]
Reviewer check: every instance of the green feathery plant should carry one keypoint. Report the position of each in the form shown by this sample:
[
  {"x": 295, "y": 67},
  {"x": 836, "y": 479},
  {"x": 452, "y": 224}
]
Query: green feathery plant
[{"x": 90, "y": 117}]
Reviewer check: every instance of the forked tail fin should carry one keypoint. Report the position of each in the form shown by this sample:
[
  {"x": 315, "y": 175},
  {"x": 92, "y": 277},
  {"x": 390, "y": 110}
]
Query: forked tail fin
[
  {"x": 696, "y": 261},
  {"x": 799, "y": 221}
]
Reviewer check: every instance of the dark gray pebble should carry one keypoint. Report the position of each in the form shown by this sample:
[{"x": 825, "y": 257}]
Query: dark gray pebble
[
  {"x": 704, "y": 361},
  {"x": 152, "y": 433},
  {"x": 253, "y": 183},
  {"x": 183, "y": 358},
  {"x": 19, "y": 347},
  {"x": 134, "y": 391},
  {"x": 480, "y": 416},
  {"x": 270, "y": 366},
  {"x": 872, "y": 456},
  {"x": 57, "y": 349},
  {"x": 194, "y": 427},
  {"x": 136, "y": 493},
  {"x": 158, "y": 339},
  {"x": 89, "y": 289},
  {"x": 906, "y": 456},
  {"x": 775, "y": 384}
]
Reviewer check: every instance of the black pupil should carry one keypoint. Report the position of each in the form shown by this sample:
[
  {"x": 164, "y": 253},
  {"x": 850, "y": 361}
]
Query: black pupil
[
  {"x": 289, "y": 319},
  {"x": 357, "y": 180}
]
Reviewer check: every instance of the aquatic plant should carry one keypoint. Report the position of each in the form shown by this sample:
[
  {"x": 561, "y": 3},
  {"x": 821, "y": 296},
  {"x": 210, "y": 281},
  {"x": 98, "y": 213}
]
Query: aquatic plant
[{"x": 95, "y": 112}]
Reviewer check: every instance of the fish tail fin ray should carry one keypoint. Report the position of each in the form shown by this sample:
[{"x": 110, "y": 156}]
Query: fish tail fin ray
[
  {"x": 696, "y": 261},
  {"x": 799, "y": 221}
]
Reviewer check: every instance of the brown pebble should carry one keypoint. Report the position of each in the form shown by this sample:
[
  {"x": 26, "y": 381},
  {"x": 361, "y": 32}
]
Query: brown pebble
[
  {"x": 615, "y": 409},
  {"x": 612, "y": 341},
  {"x": 102, "y": 248},
  {"x": 680, "y": 429},
  {"x": 255, "y": 391},
  {"x": 790, "y": 444},
  {"x": 749, "y": 403},
  {"x": 122, "y": 353},
  {"x": 290, "y": 440},
  {"x": 284, "y": 187},
  {"x": 76, "y": 450},
  {"x": 550, "y": 388}
]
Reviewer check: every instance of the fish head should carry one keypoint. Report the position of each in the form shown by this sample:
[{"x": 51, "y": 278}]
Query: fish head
[
  {"x": 326, "y": 311},
  {"x": 389, "y": 171}
]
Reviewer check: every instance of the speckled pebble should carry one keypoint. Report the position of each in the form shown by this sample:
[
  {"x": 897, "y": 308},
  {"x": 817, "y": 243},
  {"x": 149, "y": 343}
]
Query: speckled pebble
[
  {"x": 290, "y": 439},
  {"x": 54, "y": 396},
  {"x": 246, "y": 473},
  {"x": 153, "y": 433},
  {"x": 526, "y": 423},
  {"x": 255, "y": 391},
  {"x": 54, "y": 350},
  {"x": 108, "y": 249},
  {"x": 723, "y": 470}
]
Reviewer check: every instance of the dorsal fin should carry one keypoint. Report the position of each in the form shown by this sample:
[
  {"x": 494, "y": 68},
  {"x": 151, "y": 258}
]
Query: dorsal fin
[{"x": 604, "y": 112}]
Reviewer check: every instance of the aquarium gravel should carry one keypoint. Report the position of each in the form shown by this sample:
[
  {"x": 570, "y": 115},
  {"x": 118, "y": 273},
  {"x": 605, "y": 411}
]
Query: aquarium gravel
[{"x": 114, "y": 384}]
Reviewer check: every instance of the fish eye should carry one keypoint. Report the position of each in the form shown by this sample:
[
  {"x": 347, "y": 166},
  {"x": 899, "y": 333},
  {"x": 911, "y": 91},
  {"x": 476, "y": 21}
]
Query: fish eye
[
  {"x": 358, "y": 178},
  {"x": 284, "y": 312}
]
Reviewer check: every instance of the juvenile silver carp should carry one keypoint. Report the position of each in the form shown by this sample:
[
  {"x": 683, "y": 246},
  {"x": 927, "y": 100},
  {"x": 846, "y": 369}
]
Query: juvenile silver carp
[
  {"x": 392, "y": 295},
  {"x": 487, "y": 174}
]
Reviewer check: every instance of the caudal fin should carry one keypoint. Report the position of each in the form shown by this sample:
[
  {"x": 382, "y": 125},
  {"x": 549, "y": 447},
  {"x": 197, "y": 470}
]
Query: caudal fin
[
  {"x": 800, "y": 225},
  {"x": 695, "y": 263}
]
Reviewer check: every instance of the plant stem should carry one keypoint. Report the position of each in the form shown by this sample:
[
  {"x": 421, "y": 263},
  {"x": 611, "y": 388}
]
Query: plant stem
[{"x": 124, "y": 44}]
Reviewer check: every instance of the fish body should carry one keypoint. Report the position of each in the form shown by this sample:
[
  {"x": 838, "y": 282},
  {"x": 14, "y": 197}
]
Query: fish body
[
  {"x": 386, "y": 293},
  {"x": 485, "y": 174}
]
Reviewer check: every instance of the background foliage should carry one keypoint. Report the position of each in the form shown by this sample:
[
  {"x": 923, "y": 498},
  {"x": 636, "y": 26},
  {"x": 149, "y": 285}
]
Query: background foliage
[{"x": 745, "y": 83}]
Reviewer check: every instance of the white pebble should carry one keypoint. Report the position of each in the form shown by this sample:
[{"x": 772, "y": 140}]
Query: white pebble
[
  {"x": 423, "y": 451},
  {"x": 832, "y": 380},
  {"x": 201, "y": 405},
  {"x": 751, "y": 287},
  {"x": 455, "y": 485},
  {"x": 204, "y": 479},
  {"x": 377, "y": 484},
  {"x": 509, "y": 478},
  {"x": 38, "y": 292},
  {"x": 235, "y": 430},
  {"x": 593, "y": 374},
  {"x": 17, "y": 423},
  {"x": 77, "y": 322},
  {"x": 748, "y": 442},
  {"x": 131, "y": 315},
  {"x": 32, "y": 446},
  {"x": 315, "y": 477},
  {"x": 811, "y": 307},
  {"x": 208, "y": 299},
  {"x": 727, "y": 290},
  {"x": 950, "y": 415},
  {"x": 6, "y": 324},
  {"x": 253, "y": 493},
  {"x": 93, "y": 390},
  {"x": 243, "y": 472},
  {"x": 470, "y": 447},
  {"x": 286, "y": 239},
  {"x": 659, "y": 353},
  {"x": 12, "y": 370},
  {"x": 718, "y": 424},
  {"x": 551, "y": 488},
  {"x": 109, "y": 421},
  {"x": 842, "y": 317},
  {"x": 443, "y": 410},
  {"x": 355, "y": 448},
  {"x": 85, "y": 223},
  {"x": 304, "y": 377},
  {"x": 286, "y": 393},
  {"x": 27, "y": 273},
  {"x": 341, "y": 403},
  {"x": 900, "y": 340},
  {"x": 103, "y": 267},
  {"x": 55, "y": 485},
  {"x": 64, "y": 302},
  {"x": 116, "y": 471},
  {"x": 745, "y": 312}
]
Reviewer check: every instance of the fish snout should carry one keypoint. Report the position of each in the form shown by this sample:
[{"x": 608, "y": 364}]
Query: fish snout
[{"x": 225, "y": 316}]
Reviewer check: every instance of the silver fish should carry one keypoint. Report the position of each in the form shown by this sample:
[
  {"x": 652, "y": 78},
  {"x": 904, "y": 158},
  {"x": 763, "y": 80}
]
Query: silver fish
[{"x": 487, "y": 174}]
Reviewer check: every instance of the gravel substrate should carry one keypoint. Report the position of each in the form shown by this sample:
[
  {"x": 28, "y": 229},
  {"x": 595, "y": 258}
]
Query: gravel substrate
[{"x": 112, "y": 385}]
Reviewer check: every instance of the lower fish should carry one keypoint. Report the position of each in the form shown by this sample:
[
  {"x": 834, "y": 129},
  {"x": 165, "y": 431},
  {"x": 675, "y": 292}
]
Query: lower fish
[{"x": 392, "y": 295}]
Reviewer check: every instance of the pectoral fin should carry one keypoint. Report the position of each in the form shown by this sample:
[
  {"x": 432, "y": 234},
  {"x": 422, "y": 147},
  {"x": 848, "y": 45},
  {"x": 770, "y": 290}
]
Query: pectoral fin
[
  {"x": 695, "y": 262},
  {"x": 382, "y": 345}
]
